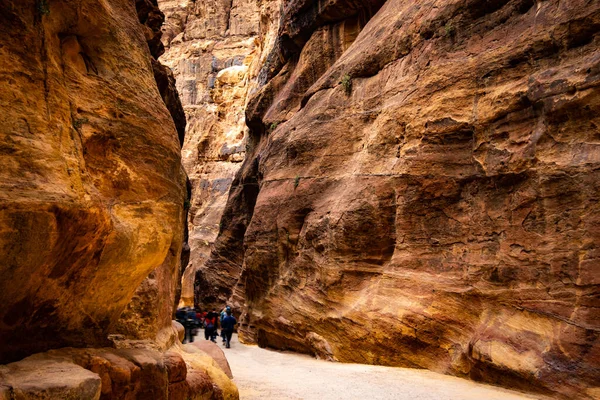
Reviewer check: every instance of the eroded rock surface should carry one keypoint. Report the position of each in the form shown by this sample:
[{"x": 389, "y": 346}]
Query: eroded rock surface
[
  {"x": 92, "y": 211},
  {"x": 214, "y": 50},
  {"x": 91, "y": 187},
  {"x": 48, "y": 379},
  {"x": 421, "y": 190},
  {"x": 154, "y": 300},
  {"x": 94, "y": 374},
  {"x": 216, "y": 352}
]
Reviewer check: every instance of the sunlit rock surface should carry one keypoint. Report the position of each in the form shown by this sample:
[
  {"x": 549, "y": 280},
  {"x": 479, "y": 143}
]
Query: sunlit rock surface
[
  {"x": 92, "y": 212},
  {"x": 215, "y": 50},
  {"x": 92, "y": 374},
  {"x": 91, "y": 184},
  {"x": 421, "y": 189}
]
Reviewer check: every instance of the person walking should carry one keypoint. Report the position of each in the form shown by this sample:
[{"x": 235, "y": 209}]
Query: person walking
[
  {"x": 227, "y": 326},
  {"x": 214, "y": 315},
  {"x": 190, "y": 325},
  {"x": 223, "y": 315},
  {"x": 180, "y": 315},
  {"x": 210, "y": 326}
]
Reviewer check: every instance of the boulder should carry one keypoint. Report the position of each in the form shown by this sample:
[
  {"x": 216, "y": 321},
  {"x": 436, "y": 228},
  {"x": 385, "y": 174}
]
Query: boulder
[
  {"x": 198, "y": 360},
  {"x": 48, "y": 379},
  {"x": 180, "y": 330},
  {"x": 176, "y": 369},
  {"x": 141, "y": 373},
  {"x": 217, "y": 354}
]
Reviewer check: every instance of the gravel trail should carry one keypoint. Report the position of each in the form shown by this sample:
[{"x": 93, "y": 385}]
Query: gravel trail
[{"x": 266, "y": 374}]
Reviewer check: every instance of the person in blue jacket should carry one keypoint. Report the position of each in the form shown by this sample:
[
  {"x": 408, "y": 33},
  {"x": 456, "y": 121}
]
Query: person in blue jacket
[
  {"x": 223, "y": 315},
  {"x": 227, "y": 325}
]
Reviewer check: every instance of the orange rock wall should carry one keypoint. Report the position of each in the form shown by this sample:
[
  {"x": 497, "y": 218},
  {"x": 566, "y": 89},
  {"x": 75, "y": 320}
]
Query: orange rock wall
[
  {"x": 421, "y": 190},
  {"x": 91, "y": 185}
]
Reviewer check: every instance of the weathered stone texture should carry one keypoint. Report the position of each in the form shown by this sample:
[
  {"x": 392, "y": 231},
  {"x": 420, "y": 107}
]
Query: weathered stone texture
[
  {"x": 48, "y": 379},
  {"x": 152, "y": 19},
  {"x": 104, "y": 374},
  {"x": 421, "y": 190},
  {"x": 91, "y": 207},
  {"x": 215, "y": 52},
  {"x": 91, "y": 188},
  {"x": 217, "y": 354}
]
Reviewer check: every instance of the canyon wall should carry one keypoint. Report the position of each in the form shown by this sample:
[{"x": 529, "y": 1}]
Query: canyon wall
[
  {"x": 152, "y": 306},
  {"x": 92, "y": 186},
  {"x": 214, "y": 49},
  {"x": 420, "y": 189},
  {"x": 92, "y": 194}
]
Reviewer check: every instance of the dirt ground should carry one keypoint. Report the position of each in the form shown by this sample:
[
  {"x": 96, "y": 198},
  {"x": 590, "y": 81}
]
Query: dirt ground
[{"x": 266, "y": 374}]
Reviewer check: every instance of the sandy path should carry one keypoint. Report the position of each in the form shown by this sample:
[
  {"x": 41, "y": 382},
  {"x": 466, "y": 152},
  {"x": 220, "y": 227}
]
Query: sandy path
[{"x": 265, "y": 374}]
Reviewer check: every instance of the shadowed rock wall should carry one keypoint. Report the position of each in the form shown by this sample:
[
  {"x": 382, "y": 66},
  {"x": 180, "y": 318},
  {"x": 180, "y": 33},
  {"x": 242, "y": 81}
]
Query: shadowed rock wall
[
  {"x": 428, "y": 195},
  {"x": 91, "y": 188}
]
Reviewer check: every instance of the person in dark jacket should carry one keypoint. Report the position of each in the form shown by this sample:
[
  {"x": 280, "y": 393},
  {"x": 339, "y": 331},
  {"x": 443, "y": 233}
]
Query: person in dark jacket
[
  {"x": 190, "y": 324},
  {"x": 210, "y": 326},
  {"x": 227, "y": 326},
  {"x": 180, "y": 314},
  {"x": 221, "y": 316}
]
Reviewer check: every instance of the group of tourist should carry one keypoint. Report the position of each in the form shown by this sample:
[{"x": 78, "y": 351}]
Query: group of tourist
[{"x": 193, "y": 319}]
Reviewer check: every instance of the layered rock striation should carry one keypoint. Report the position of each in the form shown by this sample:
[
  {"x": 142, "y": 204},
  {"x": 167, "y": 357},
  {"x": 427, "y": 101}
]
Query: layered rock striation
[
  {"x": 420, "y": 189},
  {"x": 214, "y": 49}
]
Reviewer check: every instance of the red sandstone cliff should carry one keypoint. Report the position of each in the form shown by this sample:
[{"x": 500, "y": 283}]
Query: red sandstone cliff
[{"x": 421, "y": 190}]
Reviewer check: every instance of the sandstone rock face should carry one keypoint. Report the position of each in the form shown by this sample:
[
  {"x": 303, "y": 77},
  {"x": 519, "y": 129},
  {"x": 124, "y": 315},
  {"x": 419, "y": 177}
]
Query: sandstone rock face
[
  {"x": 91, "y": 186},
  {"x": 154, "y": 299},
  {"x": 152, "y": 18},
  {"x": 92, "y": 212},
  {"x": 217, "y": 354},
  {"x": 214, "y": 50},
  {"x": 421, "y": 188},
  {"x": 116, "y": 374},
  {"x": 48, "y": 379}
]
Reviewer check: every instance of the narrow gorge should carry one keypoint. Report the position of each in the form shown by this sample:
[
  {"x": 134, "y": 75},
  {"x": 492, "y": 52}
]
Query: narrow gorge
[{"x": 399, "y": 183}]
